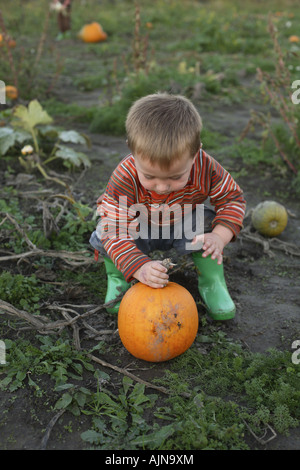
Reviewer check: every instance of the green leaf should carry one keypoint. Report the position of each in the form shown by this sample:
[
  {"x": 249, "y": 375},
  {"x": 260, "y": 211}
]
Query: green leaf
[
  {"x": 28, "y": 118},
  {"x": 76, "y": 158},
  {"x": 91, "y": 436},
  {"x": 80, "y": 398},
  {"x": 49, "y": 132},
  {"x": 21, "y": 375},
  {"x": 7, "y": 139},
  {"x": 5, "y": 382},
  {"x": 155, "y": 439},
  {"x": 61, "y": 387},
  {"x": 127, "y": 382},
  {"x": 73, "y": 137},
  {"x": 64, "y": 401},
  {"x": 99, "y": 374}
]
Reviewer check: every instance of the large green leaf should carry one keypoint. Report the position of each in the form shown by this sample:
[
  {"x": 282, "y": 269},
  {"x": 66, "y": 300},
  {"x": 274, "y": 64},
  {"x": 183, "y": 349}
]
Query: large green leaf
[
  {"x": 75, "y": 158},
  {"x": 28, "y": 118},
  {"x": 74, "y": 137},
  {"x": 9, "y": 137}
]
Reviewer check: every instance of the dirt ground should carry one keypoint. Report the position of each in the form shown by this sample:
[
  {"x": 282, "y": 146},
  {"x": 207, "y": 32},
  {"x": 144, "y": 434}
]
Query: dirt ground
[{"x": 263, "y": 284}]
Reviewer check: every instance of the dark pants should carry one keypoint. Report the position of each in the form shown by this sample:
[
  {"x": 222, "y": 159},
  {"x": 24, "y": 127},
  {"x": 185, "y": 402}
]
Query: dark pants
[{"x": 147, "y": 245}]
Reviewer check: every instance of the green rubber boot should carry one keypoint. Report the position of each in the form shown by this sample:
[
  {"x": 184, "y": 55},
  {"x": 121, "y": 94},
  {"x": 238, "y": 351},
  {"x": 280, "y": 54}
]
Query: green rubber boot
[
  {"x": 212, "y": 288},
  {"x": 116, "y": 284}
]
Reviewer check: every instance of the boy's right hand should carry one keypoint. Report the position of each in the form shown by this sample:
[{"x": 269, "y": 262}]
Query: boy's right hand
[{"x": 154, "y": 274}]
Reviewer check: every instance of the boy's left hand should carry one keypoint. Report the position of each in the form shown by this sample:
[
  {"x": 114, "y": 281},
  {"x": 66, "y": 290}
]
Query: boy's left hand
[
  {"x": 212, "y": 245},
  {"x": 214, "y": 242}
]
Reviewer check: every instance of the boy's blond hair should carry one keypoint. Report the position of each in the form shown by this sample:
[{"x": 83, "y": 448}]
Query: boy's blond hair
[{"x": 161, "y": 128}]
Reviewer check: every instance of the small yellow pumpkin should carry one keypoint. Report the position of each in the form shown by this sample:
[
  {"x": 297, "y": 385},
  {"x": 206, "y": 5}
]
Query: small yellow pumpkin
[
  {"x": 157, "y": 324},
  {"x": 92, "y": 32},
  {"x": 11, "y": 92},
  {"x": 269, "y": 218}
]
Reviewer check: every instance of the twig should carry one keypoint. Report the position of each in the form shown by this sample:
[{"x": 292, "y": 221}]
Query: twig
[
  {"x": 260, "y": 439},
  {"x": 11, "y": 310},
  {"x": 274, "y": 242},
  {"x": 42, "y": 39},
  {"x": 21, "y": 231},
  {"x": 134, "y": 377},
  {"x": 50, "y": 427},
  {"x": 43, "y": 324},
  {"x": 76, "y": 338},
  {"x": 78, "y": 257}
]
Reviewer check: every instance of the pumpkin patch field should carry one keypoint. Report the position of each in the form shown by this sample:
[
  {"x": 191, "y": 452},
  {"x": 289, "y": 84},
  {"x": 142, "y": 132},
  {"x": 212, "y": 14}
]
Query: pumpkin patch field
[{"x": 73, "y": 376}]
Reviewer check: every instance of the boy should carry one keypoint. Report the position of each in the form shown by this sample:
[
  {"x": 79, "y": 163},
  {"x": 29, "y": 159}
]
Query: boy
[{"x": 168, "y": 169}]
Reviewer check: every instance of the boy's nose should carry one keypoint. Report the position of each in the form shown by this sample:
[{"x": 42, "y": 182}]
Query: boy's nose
[{"x": 162, "y": 187}]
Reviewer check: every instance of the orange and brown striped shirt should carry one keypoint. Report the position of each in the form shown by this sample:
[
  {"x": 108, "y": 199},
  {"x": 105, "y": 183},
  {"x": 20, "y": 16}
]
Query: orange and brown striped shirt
[{"x": 208, "y": 179}]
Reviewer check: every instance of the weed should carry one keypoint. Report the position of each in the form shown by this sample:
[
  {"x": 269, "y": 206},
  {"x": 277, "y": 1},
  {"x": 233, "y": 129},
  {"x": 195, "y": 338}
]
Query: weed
[
  {"x": 56, "y": 358},
  {"x": 264, "y": 381},
  {"x": 23, "y": 292}
]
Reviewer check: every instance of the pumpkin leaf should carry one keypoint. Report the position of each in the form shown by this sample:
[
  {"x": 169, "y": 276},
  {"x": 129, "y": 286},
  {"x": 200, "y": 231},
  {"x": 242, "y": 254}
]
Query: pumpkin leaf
[
  {"x": 50, "y": 132},
  {"x": 9, "y": 137},
  {"x": 28, "y": 118},
  {"x": 74, "y": 137},
  {"x": 75, "y": 158}
]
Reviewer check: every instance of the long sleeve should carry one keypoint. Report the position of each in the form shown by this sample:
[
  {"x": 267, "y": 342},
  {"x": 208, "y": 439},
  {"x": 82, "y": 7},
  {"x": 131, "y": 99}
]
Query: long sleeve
[
  {"x": 116, "y": 218},
  {"x": 227, "y": 198}
]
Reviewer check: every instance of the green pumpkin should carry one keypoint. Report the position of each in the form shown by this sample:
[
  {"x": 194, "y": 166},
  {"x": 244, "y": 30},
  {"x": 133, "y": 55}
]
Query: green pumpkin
[{"x": 269, "y": 218}]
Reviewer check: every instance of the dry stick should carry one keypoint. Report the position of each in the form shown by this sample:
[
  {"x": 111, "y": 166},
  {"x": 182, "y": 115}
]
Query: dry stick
[
  {"x": 43, "y": 324},
  {"x": 21, "y": 231},
  {"x": 11, "y": 310},
  {"x": 78, "y": 257},
  {"x": 39, "y": 48},
  {"x": 76, "y": 338},
  {"x": 274, "y": 243},
  {"x": 50, "y": 427},
  {"x": 260, "y": 439},
  {"x": 134, "y": 377},
  {"x": 42, "y": 39}
]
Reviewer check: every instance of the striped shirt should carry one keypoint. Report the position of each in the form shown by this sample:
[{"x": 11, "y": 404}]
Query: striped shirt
[{"x": 208, "y": 179}]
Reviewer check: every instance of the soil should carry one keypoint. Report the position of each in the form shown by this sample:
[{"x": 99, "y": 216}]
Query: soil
[{"x": 263, "y": 285}]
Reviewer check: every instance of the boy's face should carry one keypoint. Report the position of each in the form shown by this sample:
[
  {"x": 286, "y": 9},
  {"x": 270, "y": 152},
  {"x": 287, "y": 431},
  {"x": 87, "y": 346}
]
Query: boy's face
[{"x": 162, "y": 181}]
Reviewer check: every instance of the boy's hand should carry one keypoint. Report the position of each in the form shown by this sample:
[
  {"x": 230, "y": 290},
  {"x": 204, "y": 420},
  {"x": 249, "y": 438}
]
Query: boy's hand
[
  {"x": 213, "y": 245},
  {"x": 154, "y": 274},
  {"x": 214, "y": 242}
]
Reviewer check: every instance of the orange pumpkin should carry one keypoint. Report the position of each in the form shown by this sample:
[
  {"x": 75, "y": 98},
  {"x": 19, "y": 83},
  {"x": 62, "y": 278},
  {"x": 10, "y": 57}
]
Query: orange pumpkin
[
  {"x": 92, "y": 32},
  {"x": 11, "y": 92},
  {"x": 157, "y": 324},
  {"x": 294, "y": 38}
]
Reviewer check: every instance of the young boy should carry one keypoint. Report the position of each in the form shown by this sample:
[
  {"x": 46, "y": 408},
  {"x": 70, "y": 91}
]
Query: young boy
[{"x": 167, "y": 171}]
